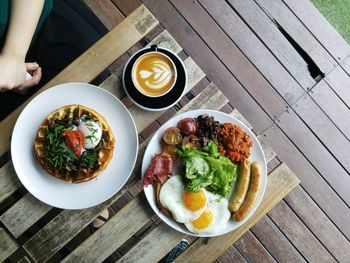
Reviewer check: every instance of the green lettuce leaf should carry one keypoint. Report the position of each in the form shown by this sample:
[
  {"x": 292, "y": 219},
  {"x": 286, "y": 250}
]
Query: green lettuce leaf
[{"x": 208, "y": 168}]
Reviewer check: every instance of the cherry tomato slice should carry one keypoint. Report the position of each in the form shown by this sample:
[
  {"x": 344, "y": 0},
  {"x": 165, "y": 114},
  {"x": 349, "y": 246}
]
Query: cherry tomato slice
[
  {"x": 74, "y": 141},
  {"x": 172, "y": 136}
]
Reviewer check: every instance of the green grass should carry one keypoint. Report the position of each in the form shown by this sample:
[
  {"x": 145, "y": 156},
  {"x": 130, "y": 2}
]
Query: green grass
[{"x": 337, "y": 12}]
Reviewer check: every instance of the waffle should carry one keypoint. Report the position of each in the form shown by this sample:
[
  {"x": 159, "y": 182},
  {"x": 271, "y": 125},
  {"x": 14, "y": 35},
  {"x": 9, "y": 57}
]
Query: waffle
[{"x": 80, "y": 174}]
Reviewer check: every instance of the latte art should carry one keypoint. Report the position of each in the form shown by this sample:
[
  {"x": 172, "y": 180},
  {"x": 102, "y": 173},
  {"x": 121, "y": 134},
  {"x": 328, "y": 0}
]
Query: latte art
[
  {"x": 154, "y": 74},
  {"x": 159, "y": 77}
]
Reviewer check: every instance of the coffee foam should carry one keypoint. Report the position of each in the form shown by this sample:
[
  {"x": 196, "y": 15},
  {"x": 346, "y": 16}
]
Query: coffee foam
[{"x": 154, "y": 74}]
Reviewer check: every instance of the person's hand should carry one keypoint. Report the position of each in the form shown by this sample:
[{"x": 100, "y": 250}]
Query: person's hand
[{"x": 13, "y": 74}]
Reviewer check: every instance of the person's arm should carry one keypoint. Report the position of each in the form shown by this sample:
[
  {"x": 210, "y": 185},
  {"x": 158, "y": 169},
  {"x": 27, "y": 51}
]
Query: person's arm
[{"x": 23, "y": 21}]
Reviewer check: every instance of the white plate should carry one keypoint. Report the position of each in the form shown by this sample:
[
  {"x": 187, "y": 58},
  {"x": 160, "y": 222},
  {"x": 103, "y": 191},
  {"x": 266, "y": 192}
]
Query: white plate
[
  {"x": 56, "y": 192},
  {"x": 154, "y": 147}
]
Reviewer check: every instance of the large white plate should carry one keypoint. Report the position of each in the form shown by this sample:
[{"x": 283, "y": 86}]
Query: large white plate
[
  {"x": 56, "y": 192},
  {"x": 154, "y": 147}
]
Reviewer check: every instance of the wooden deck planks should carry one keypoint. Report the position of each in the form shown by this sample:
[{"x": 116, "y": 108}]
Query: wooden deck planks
[
  {"x": 225, "y": 50},
  {"x": 316, "y": 153},
  {"x": 324, "y": 129},
  {"x": 278, "y": 11},
  {"x": 231, "y": 255},
  {"x": 339, "y": 81},
  {"x": 333, "y": 106},
  {"x": 274, "y": 40},
  {"x": 312, "y": 182},
  {"x": 318, "y": 25},
  {"x": 320, "y": 225},
  {"x": 275, "y": 242},
  {"x": 254, "y": 49},
  {"x": 298, "y": 234},
  {"x": 251, "y": 249}
]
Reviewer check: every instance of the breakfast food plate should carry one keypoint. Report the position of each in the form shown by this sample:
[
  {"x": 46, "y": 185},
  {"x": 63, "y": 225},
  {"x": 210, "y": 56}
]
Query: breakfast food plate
[
  {"x": 120, "y": 153},
  {"x": 171, "y": 196}
]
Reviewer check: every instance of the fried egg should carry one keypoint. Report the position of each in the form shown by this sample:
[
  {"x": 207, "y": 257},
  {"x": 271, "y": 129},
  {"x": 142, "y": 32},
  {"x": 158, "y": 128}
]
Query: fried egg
[
  {"x": 213, "y": 218},
  {"x": 185, "y": 206},
  {"x": 92, "y": 133}
]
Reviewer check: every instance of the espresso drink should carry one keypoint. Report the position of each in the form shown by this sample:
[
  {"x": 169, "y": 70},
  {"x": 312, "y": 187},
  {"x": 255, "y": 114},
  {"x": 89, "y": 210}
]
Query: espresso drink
[{"x": 154, "y": 74}]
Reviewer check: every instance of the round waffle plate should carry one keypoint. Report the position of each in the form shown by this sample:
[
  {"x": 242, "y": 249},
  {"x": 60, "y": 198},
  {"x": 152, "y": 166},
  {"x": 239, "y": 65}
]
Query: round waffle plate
[{"x": 56, "y": 192}]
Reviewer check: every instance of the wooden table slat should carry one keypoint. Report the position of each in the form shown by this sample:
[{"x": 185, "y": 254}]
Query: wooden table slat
[
  {"x": 332, "y": 104},
  {"x": 9, "y": 181},
  {"x": 279, "y": 183},
  {"x": 7, "y": 247},
  {"x": 92, "y": 62},
  {"x": 252, "y": 250},
  {"x": 23, "y": 214},
  {"x": 165, "y": 237},
  {"x": 114, "y": 233},
  {"x": 232, "y": 255},
  {"x": 24, "y": 260},
  {"x": 275, "y": 241},
  {"x": 165, "y": 40}
]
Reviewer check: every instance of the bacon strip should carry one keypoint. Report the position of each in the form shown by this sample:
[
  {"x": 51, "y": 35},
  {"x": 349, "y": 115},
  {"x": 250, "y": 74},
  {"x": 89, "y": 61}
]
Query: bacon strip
[{"x": 159, "y": 169}]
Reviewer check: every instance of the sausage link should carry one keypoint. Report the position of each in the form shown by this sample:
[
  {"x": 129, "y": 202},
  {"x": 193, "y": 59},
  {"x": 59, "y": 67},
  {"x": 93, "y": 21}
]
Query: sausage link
[
  {"x": 252, "y": 193},
  {"x": 241, "y": 188}
]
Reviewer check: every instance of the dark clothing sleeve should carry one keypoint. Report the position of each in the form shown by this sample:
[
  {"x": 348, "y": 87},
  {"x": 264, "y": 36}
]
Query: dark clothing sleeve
[
  {"x": 5, "y": 10},
  {"x": 67, "y": 32}
]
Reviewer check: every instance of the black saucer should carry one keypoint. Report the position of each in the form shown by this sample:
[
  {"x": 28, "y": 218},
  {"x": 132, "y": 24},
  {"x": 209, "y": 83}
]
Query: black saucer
[{"x": 155, "y": 103}]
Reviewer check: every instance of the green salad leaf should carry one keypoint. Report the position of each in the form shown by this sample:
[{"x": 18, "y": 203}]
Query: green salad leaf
[{"x": 208, "y": 168}]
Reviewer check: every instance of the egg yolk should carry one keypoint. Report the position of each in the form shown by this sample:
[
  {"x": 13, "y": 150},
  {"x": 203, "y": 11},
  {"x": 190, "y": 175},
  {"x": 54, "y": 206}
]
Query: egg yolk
[
  {"x": 203, "y": 221},
  {"x": 194, "y": 201}
]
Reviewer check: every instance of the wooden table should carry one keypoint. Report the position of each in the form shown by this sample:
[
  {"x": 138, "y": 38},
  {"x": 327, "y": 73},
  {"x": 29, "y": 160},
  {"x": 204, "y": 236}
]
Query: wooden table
[{"x": 36, "y": 231}]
